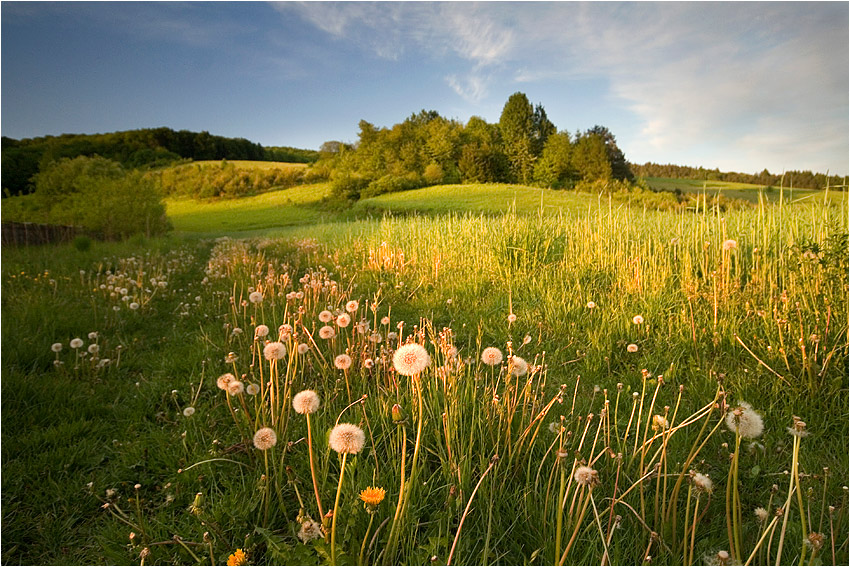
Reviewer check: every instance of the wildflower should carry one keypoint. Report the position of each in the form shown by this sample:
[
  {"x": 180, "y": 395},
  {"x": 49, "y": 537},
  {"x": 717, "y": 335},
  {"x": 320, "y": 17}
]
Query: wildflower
[
  {"x": 491, "y": 356},
  {"x": 235, "y": 387},
  {"x": 519, "y": 367},
  {"x": 702, "y": 483},
  {"x": 303, "y": 348},
  {"x": 411, "y": 359},
  {"x": 93, "y": 348},
  {"x": 261, "y": 331},
  {"x": 231, "y": 358},
  {"x": 56, "y": 347},
  {"x": 309, "y": 530},
  {"x": 375, "y": 338},
  {"x": 252, "y": 389},
  {"x": 729, "y": 244},
  {"x": 554, "y": 427},
  {"x": 385, "y": 320},
  {"x": 133, "y": 305},
  {"x": 285, "y": 331},
  {"x": 189, "y": 411},
  {"x": 224, "y": 380},
  {"x": 76, "y": 343},
  {"x": 347, "y": 438},
  {"x": 327, "y": 332},
  {"x": 761, "y": 514},
  {"x": 637, "y": 320},
  {"x": 815, "y": 541},
  {"x": 305, "y": 402},
  {"x": 632, "y": 348},
  {"x": 372, "y": 497},
  {"x": 351, "y": 306},
  {"x": 265, "y": 438},
  {"x": 586, "y": 476},
  {"x": 343, "y": 320},
  {"x": 237, "y": 558},
  {"x": 237, "y": 331},
  {"x": 255, "y": 297},
  {"x": 591, "y": 305},
  {"x": 326, "y": 316},
  {"x": 744, "y": 420},
  {"x": 274, "y": 351},
  {"x": 392, "y": 335},
  {"x": 368, "y": 363},
  {"x": 511, "y": 318},
  {"x": 93, "y": 336}
]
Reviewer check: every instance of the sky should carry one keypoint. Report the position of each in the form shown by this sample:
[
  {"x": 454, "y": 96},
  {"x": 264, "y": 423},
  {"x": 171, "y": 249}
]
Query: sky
[{"x": 738, "y": 86}]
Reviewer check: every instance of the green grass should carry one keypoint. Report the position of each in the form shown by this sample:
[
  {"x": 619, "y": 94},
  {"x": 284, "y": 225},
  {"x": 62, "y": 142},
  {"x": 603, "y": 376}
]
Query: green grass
[
  {"x": 287, "y": 207},
  {"x": 452, "y": 266}
]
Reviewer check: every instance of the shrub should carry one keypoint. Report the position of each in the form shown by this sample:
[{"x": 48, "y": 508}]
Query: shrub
[
  {"x": 82, "y": 243},
  {"x": 392, "y": 184}
]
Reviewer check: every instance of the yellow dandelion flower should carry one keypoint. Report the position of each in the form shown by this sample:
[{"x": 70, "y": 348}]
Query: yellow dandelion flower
[
  {"x": 372, "y": 497},
  {"x": 237, "y": 558}
]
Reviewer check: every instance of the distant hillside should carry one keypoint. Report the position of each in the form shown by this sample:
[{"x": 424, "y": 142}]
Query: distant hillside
[
  {"x": 152, "y": 147},
  {"x": 796, "y": 179}
]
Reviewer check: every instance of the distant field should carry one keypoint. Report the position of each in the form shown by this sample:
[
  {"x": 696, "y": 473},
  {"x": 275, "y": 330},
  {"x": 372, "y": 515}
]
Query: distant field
[
  {"x": 476, "y": 198},
  {"x": 745, "y": 191},
  {"x": 287, "y": 207}
]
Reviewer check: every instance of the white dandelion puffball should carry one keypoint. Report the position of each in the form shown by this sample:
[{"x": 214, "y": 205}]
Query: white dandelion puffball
[
  {"x": 347, "y": 438},
  {"x": 235, "y": 387},
  {"x": 351, "y": 306},
  {"x": 368, "y": 363},
  {"x": 305, "y": 402},
  {"x": 261, "y": 331},
  {"x": 326, "y": 316},
  {"x": 491, "y": 356},
  {"x": 134, "y": 306},
  {"x": 310, "y": 530},
  {"x": 303, "y": 348},
  {"x": 93, "y": 335},
  {"x": 265, "y": 439},
  {"x": 255, "y": 297},
  {"x": 343, "y": 320},
  {"x": 76, "y": 343},
  {"x": 511, "y": 318},
  {"x": 591, "y": 305},
  {"x": 285, "y": 331},
  {"x": 327, "y": 332},
  {"x": 189, "y": 411},
  {"x": 274, "y": 351},
  {"x": 637, "y": 320},
  {"x": 632, "y": 348},
  {"x": 224, "y": 380},
  {"x": 703, "y": 483},
  {"x": 744, "y": 420},
  {"x": 93, "y": 348},
  {"x": 411, "y": 359},
  {"x": 385, "y": 320},
  {"x": 586, "y": 476},
  {"x": 729, "y": 244},
  {"x": 252, "y": 389},
  {"x": 56, "y": 347},
  {"x": 519, "y": 367},
  {"x": 342, "y": 362}
]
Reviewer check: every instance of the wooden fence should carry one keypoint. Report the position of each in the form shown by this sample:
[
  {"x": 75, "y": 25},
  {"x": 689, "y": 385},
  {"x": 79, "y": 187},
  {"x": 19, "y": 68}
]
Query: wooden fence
[{"x": 29, "y": 233}]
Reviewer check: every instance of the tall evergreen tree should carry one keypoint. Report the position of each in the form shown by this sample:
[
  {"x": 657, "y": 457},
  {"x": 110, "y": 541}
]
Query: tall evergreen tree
[
  {"x": 517, "y": 127},
  {"x": 616, "y": 158}
]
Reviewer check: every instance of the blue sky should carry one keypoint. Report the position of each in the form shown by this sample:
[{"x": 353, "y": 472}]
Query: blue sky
[{"x": 739, "y": 86}]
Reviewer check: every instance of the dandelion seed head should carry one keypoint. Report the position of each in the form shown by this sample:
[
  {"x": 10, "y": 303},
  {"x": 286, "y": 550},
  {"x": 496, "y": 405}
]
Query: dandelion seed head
[
  {"x": 591, "y": 305},
  {"x": 327, "y": 332},
  {"x": 343, "y": 320},
  {"x": 491, "y": 356},
  {"x": 326, "y": 316},
  {"x": 659, "y": 423},
  {"x": 261, "y": 331},
  {"x": 303, "y": 348},
  {"x": 352, "y": 306},
  {"x": 385, "y": 320},
  {"x": 411, "y": 359},
  {"x": 729, "y": 244},
  {"x": 511, "y": 318},
  {"x": 252, "y": 389},
  {"x": 133, "y": 305},
  {"x": 255, "y": 297},
  {"x": 235, "y": 387},
  {"x": 586, "y": 476},
  {"x": 56, "y": 347},
  {"x": 274, "y": 351},
  {"x": 368, "y": 363},
  {"x": 93, "y": 348},
  {"x": 632, "y": 348},
  {"x": 347, "y": 438},
  {"x": 306, "y": 401},
  {"x": 519, "y": 367},
  {"x": 189, "y": 411},
  {"x": 637, "y": 320},
  {"x": 744, "y": 420},
  {"x": 310, "y": 530},
  {"x": 76, "y": 343},
  {"x": 342, "y": 362},
  {"x": 702, "y": 483},
  {"x": 761, "y": 514},
  {"x": 265, "y": 438},
  {"x": 224, "y": 380},
  {"x": 93, "y": 335}
]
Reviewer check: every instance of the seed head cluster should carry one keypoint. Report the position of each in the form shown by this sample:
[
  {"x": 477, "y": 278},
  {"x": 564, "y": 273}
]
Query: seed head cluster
[
  {"x": 411, "y": 359},
  {"x": 305, "y": 402},
  {"x": 347, "y": 438}
]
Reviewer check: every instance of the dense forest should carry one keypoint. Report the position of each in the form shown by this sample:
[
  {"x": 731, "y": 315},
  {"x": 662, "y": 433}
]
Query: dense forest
[
  {"x": 796, "y": 179},
  {"x": 22, "y": 159}
]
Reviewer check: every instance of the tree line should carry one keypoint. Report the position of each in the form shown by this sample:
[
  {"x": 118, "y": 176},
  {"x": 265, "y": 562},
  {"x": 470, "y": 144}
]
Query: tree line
[
  {"x": 796, "y": 179},
  {"x": 427, "y": 149},
  {"x": 133, "y": 149}
]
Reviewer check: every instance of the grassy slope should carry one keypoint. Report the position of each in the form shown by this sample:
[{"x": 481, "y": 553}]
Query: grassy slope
[
  {"x": 246, "y": 164},
  {"x": 274, "y": 209}
]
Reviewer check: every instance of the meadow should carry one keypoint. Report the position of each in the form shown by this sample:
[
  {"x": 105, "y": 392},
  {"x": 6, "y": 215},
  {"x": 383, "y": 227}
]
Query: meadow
[{"x": 498, "y": 375}]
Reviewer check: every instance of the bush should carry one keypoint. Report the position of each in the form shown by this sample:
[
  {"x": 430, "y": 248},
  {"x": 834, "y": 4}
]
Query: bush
[
  {"x": 82, "y": 243},
  {"x": 392, "y": 184},
  {"x": 433, "y": 174}
]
